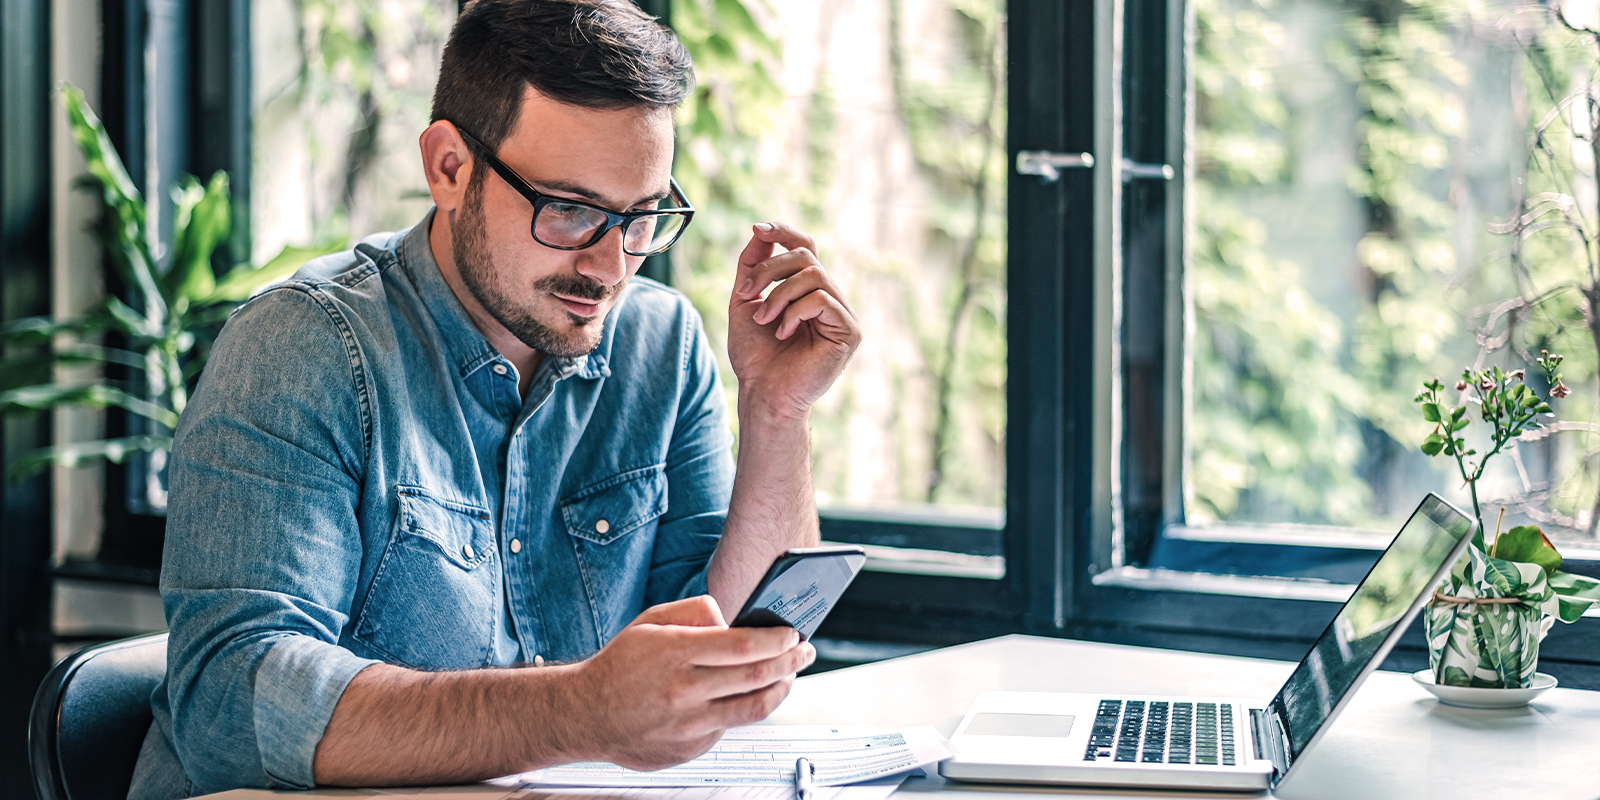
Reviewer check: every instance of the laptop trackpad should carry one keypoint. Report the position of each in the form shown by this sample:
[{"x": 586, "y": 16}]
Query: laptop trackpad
[{"x": 990, "y": 724}]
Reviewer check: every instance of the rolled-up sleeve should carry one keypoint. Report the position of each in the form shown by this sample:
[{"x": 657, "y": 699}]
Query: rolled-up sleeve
[
  {"x": 263, "y": 549},
  {"x": 699, "y": 471}
]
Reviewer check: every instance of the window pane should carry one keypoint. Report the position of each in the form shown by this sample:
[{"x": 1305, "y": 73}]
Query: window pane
[
  {"x": 879, "y": 127},
  {"x": 1356, "y": 168}
]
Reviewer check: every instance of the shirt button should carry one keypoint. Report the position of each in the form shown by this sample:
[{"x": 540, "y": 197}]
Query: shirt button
[
  {"x": 538, "y": 660},
  {"x": 602, "y": 526},
  {"x": 466, "y": 550},
  {"x": 499, "y": 369},
  {"x": 516, "y": 545}
]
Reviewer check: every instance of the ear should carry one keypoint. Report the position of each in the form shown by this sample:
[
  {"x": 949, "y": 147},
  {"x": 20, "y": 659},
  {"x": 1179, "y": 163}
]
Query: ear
[{"x": 447, "y": 164}]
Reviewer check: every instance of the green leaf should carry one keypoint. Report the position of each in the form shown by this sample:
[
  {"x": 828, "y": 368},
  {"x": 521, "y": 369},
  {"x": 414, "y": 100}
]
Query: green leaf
[
  {"x": 1430, "y": 412},
  {"x": 1528, "y": 545},
  {"x": 123, "y": 229},
  {"x": 201, "y": 221},
  {"x": 95, "y": 396},
  {"x": 44, "y": 330},
  {"x": 1433, "y": 444},
  {"x": 131, "y": 322},
  {"x": 245, "y": 281},
  {"x": 76, "y": 454}
]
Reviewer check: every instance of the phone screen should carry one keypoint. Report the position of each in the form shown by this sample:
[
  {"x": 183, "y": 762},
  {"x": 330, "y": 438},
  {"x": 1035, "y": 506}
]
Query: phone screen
[{"x": 800, "y": 589}]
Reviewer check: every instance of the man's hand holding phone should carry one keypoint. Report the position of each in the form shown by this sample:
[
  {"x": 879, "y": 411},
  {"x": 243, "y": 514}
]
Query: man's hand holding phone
[{"x": 664, "y": 690}]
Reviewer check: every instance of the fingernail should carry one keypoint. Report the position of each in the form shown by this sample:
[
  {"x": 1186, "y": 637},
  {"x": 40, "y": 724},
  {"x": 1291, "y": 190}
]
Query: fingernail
[
  {"x": 763, "y": 226},
  {"x": 794, "y": 637},
  {"x": 747, "y": 285}
]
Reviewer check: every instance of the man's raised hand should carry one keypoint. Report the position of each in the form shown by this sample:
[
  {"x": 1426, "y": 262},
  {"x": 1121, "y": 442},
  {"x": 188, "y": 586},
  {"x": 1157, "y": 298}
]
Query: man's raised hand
[
  {"x": 664, "y": 690},
  {"x": 788, "y": 348}
]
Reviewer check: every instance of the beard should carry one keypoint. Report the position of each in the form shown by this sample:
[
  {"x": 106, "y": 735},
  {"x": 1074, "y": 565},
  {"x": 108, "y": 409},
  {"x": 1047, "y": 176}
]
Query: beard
[{"x": 470, "y": 247}]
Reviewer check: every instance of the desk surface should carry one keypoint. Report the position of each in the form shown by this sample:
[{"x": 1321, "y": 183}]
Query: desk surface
[{"x": 1394, "y": 741}]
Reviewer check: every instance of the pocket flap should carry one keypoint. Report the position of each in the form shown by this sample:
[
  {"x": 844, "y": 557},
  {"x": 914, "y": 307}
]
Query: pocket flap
[
  {"x": 463, "y": 533},
  {"x": 616, "y": 506}
]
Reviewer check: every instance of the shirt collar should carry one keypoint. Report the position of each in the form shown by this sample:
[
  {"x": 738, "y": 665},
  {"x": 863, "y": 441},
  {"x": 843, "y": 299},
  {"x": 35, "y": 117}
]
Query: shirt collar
[{"x": 462, "y": 339}]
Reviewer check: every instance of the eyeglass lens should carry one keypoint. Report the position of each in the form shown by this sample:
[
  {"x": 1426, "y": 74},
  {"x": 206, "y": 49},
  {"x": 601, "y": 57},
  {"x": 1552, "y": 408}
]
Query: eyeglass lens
[{"x": 570, "y": 225}]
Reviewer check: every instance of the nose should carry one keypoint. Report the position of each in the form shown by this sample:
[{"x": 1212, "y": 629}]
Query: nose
[{"x": 604, "y": 262}]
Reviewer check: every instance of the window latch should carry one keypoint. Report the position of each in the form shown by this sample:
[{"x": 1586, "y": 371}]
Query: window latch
[
  {"x": 1048, "y": 165},
  {"x": 1132, "y": 170}
]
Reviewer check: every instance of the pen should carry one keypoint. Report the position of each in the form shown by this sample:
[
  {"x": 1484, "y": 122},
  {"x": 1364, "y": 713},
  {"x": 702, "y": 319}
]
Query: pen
[{"x": 803, "y": 772}]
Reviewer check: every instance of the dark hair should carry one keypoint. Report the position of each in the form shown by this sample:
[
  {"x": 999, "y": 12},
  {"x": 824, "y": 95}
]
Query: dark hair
[{"x": 594, "y": 53}]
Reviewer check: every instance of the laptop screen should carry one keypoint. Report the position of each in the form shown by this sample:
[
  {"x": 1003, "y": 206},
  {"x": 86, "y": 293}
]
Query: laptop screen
[{"x": 1362, "y": 631}]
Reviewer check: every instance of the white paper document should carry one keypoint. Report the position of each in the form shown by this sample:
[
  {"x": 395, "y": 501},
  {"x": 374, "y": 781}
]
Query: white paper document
[
  {"x": 879, "y": 789},
  {"x": 764, "y": 755}
]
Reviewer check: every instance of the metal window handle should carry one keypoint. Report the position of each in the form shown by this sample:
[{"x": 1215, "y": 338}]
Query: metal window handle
[
  {"x": 1048, "y": 165},
  {"x": 1132, "y": 170}
]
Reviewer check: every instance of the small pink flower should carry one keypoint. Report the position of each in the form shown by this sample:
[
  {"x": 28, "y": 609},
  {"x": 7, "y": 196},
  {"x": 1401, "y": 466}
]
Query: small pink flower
[
  {"x": 1487, "y": 384},
  {"x": 1518, "y": 374},
  {"x": 1559, "y": 390},
  {"x": 1461, "y": 386}
]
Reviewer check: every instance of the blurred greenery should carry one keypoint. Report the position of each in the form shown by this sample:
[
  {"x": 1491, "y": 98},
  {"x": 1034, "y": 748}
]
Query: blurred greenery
[
  {"x": 952, "y": 451},
  {"x": 1451, "y": 126}
]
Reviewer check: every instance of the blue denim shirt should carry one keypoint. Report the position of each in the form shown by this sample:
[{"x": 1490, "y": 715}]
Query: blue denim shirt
[{"x": 357, "y": 480}]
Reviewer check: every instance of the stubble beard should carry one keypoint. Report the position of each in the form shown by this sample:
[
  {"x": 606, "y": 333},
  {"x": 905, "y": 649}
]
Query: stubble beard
[{"x": 475, "y": 263}]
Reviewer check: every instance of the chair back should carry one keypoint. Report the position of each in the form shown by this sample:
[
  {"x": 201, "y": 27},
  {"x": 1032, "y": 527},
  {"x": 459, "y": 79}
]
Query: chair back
[{"x": 90, "y": 717}]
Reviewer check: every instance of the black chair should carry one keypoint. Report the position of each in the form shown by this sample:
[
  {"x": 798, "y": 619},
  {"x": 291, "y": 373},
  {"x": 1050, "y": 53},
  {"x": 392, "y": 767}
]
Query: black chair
[{"x": 90, "y": 717}]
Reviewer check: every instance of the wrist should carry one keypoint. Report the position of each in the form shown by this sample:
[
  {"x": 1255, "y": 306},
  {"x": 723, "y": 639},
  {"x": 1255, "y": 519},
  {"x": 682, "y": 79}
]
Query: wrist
[
  {"x": 758, "y": 409},
  {"x": 565, "y": 736}
]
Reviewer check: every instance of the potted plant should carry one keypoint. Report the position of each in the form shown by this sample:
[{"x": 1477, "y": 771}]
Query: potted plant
[
  {"x": 1485, "y": 623},
  {"x": 180, "y": 302}
]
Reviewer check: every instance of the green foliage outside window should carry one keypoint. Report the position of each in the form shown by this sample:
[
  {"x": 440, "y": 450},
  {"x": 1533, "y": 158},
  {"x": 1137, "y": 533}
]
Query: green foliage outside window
[{"x": 1468, "y": 239}]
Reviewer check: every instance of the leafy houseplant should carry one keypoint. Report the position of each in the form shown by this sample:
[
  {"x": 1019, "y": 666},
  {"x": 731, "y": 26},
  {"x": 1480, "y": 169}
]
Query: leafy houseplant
[
  {"x": 1485, "y": 626},
  {"x": 181, "y": 302}
]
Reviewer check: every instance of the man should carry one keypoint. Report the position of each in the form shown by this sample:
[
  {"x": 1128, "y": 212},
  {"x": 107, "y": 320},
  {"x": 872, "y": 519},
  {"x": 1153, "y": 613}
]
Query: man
[{"x": 484, "y": 443}]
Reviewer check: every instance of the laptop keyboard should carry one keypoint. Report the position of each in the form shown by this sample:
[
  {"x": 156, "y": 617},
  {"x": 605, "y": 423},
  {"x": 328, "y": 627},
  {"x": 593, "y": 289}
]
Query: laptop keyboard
[{"x": 1162, "y": 733}]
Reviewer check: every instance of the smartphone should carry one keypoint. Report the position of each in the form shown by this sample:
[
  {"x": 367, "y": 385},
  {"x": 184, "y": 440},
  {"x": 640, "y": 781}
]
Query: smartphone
[{"x": 801, "y": 587}]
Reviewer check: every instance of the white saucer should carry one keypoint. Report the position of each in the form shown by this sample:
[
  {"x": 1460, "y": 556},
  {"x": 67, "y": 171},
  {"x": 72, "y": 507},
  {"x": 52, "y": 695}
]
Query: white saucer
[{"x": 1474, "y": 697}]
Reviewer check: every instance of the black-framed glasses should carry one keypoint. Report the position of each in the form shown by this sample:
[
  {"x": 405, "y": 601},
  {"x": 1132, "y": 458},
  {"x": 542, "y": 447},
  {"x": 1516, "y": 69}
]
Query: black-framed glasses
[{"x": 573, "y": 225}]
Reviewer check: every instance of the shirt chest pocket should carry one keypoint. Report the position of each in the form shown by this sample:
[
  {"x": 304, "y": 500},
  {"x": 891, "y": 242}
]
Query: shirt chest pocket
[
  {"x": 612, "y": 527},
  {"x": 606, "y": 511},
  {"x": 435, "y": 597}
]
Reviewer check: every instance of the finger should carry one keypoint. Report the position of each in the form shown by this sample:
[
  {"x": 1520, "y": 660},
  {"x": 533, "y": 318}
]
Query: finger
[
  {"x": 828, "y": 312},
  {"x": 811, "y": 279},
  {"x": 712, "y": 647},
  {"x": 743, "y": 678},
  {"x": 701, "y": 611},
  {"x": 785, "y": 235},
  {"x": 780, "y": 267},
  {"x": 755, "y": 251},
  {"x": 753, "y": 706}
]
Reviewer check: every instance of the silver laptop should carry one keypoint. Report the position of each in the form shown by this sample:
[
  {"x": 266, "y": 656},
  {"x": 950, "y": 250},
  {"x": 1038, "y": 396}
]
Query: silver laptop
[{"x": 1213, "y": 742}]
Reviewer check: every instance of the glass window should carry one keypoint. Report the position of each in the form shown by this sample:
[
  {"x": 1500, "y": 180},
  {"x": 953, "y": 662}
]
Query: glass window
[
  {"x": 880, "y": 128},
  {"x": 1380, "y": 195}
]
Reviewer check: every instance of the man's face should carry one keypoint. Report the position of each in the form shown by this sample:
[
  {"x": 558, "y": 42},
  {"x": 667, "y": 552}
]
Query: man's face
[{"x": 556, "y": 301}]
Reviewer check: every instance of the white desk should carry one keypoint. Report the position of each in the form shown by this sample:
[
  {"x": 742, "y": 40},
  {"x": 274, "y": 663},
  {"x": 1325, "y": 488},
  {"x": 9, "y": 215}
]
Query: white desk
[{"x": 1393, "y": 742}]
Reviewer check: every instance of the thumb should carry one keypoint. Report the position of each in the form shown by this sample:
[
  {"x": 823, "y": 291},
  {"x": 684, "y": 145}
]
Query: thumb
[{"x": 700, "y": 612}]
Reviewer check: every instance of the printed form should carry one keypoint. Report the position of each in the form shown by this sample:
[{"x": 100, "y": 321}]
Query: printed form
[{"x": 764, "y": 755}]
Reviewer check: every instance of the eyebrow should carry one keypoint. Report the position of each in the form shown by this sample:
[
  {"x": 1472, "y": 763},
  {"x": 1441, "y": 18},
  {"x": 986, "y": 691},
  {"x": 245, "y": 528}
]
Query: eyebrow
[{"x": 567, "y": 187}]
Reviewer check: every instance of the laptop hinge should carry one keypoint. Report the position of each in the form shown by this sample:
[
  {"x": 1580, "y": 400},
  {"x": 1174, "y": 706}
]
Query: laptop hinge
[{"x": 1268, "y": 740}]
